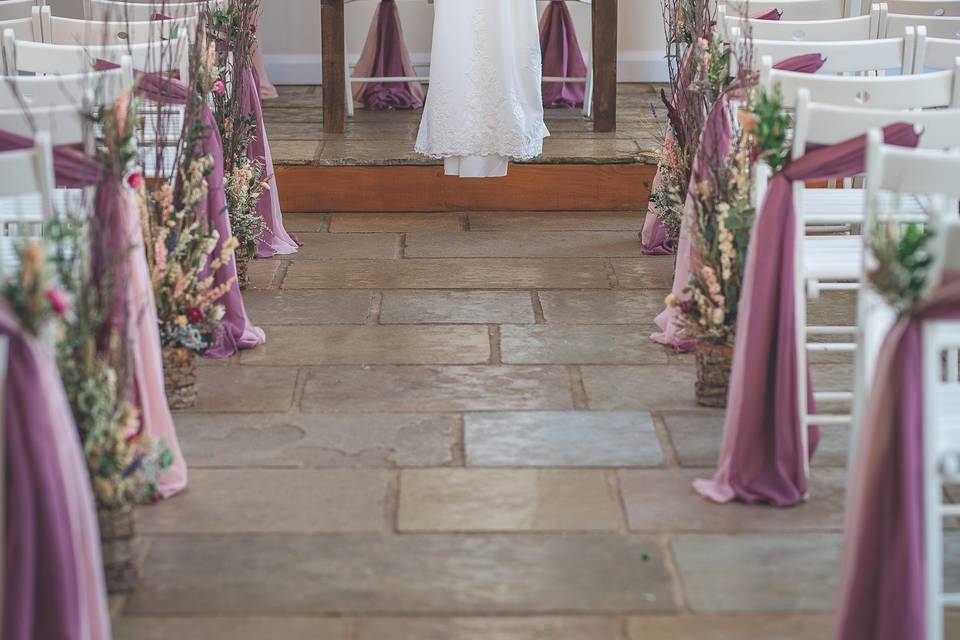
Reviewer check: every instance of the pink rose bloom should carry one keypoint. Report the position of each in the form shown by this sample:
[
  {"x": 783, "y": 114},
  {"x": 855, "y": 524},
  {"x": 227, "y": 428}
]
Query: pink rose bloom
[
  {"x": 219, "y": 88},
  {"x": 135, "y": 179},
  {"x": 58, "y": 301}
]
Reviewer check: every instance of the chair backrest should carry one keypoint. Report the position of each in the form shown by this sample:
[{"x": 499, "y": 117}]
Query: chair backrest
[
  {"x": 97, "y": 32},
  {"x": 856, "y": 28},
  {"x": 817, "y": 123},
  {"x": 23, "y": 28},
  {"x": 917, "y": 91},
  {"x": 936, "y": 53},
  {"x": 790, "y": 9},
  {"x": 65, "y": 124},
  {"x": 15, "y": 9},
  {"x": 40, "y": 58},
  {"x": 854, "y": 56},
  {"x": 121, "y": 11},
  {"x": 72, "y": 89},
  {"x": 931, "y": 173},
  {"x": 925, "y": 7},
  {"x": 892, "y": 24},
  {"x": 26, "y": 195}
]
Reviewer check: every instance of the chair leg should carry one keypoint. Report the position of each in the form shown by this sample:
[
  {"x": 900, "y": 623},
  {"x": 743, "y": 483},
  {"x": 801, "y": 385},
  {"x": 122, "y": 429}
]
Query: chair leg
[
  {"x": 349, "y": 90},
  {"x": 588, "y": 93}
]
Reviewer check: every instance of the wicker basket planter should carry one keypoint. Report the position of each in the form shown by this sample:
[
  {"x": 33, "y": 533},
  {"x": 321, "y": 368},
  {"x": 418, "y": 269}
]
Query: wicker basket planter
[
  {"x": 180, "y": 377},
  {"x": 714, "y": 360},
  {"x": 243, "y": 263},
  {"x": 118, "y": 543}
]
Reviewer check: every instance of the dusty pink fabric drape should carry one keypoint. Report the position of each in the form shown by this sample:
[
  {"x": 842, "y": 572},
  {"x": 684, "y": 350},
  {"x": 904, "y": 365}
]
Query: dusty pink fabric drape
[
  {"x": 762, "y": 458},
  {"x": 238, "y": 331},
  {"x": 117, "y": 232},
  {"x": 562, "y": 58},
  {"x": 882, "y": 593},
  {"x": 670, "y": 334},
  {"x": 52, "y": 584},
  {"x": 275, "y": 240},
  {"x": 385, "y": 55}
]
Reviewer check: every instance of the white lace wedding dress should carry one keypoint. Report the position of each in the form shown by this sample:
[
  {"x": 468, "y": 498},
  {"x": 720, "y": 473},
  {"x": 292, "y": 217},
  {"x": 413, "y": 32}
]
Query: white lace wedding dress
[{"x": 485, "y": 104}]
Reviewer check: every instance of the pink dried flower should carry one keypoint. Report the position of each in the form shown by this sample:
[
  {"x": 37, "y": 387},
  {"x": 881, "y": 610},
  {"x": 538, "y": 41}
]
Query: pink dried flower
[
  {"x": 58, "y": 301},
  {"x": 219, "y": 88}
]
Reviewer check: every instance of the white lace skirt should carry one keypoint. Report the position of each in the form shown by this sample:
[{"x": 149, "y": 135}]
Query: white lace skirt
[{"x": 485, "y": 104}]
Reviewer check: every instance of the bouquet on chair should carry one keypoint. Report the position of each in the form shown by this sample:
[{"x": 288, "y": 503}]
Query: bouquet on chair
[{"x": 234, "y": 26}]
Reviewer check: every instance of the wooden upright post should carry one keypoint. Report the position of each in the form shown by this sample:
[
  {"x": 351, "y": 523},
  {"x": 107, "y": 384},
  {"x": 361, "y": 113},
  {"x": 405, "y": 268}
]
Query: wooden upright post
[
  {"x": 334, "y": 66},
  {"x": 605, "y": 65}
]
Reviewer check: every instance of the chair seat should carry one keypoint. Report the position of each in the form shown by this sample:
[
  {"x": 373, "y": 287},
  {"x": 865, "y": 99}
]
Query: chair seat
[
  {"x": 846, "y": 206},
  {"x": 833, "y": 258}
]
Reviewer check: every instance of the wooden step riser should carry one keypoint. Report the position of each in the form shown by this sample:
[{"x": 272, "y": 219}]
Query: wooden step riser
[{"x": 528, "y": 187}]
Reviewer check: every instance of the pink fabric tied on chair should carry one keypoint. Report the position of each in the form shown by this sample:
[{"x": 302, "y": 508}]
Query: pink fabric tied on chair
[
  {"x": 238, "y": 332},
  {"x": 52, "y": 584},
  {"x": 882, "y": 589},
  {"x": 762, "y": 459},
  {"x": 653, "y": 237},
  {"x": 562, "y": 58},
  {"x": 134, "y": 311},
  {"x": 275, "y": 240},
  {"x": 385, "y": 55},
  {"x": 770, "y": 14},
  {"x": 670, "y": 334}
]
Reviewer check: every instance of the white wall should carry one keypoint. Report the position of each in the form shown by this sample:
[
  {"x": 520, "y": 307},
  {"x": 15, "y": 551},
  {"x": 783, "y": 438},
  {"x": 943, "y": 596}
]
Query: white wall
[{"x": 290, "y": 36}]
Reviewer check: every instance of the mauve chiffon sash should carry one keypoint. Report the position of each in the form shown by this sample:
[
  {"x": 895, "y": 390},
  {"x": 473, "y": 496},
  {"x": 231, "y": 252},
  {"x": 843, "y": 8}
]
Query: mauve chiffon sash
[
  {"x": 562, "y": 58},
  {"x": 385, "y": 55}
]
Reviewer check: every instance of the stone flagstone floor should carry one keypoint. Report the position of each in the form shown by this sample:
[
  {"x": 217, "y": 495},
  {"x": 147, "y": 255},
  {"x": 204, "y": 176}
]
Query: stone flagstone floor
[{"x": 458, "y": 430}]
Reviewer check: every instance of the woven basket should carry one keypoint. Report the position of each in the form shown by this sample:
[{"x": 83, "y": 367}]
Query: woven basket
[
  {"x": 180, "y": 377},
  {"x": 714, "y": 360},
  {"x": 243, "y": 262},
  {"x": 118, "y": 544}
]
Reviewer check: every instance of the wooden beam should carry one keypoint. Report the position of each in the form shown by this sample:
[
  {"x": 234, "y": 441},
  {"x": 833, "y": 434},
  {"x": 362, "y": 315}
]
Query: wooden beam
[
  {"x": 605, "y": 65},
  {"x": 334, "y": 66}
]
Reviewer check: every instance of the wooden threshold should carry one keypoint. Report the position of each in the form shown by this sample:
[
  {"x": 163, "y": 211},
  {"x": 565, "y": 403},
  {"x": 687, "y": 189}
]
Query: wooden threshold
[{"x": 528, "y": 187}]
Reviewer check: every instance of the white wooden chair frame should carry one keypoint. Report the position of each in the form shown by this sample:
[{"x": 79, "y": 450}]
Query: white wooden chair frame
[
  {"x": 835, "y": 29},
  {"x": 120, "y": 10},
  {"x": 936, "y": 26},
  {"x": 845, "y": 56},
  {"x": 70, "y": 31},
  {"x": 790, "y": 9}
]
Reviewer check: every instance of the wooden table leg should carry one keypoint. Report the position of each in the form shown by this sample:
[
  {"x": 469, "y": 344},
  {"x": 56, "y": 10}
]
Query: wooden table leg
[
  {"x": 334, "y": 69},
  {"x": 605, "y": 65}
]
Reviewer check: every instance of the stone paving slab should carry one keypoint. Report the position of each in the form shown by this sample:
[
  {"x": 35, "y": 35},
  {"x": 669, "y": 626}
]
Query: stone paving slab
[
  {"x": 777, "y": 572},
  {"x": 272, "y": 501},
  {"x": 475, "y": 273},
  {"x": 604, "y": 307},
  {"x": 523, "y": 244},
  {"x": 295, "y": 152},
  {"x": 394, "y": 222},
  {"x": 371, "y": 344},
  {"x": 436, "y": 389},
  {"x": 648, "y": 272},
  {"x": 232, "y": 389},
  {"x": 555, "y": 221},
  {"x": 644, "y": 388},
  {"x": 456, "y": 307},
  {"x": 317, "y": 440},
  {"x": 492, "y": 628},
  {"x": 739, "y": 627},
  {"x": 462, "y": 574},
  {"x": 664, "y": 500},
  {"x": 578, "y": 344},
  {"x": 326, "y": 246},
  {"x": 696, "y": 436},
  {"x": 262, "y": 273},
  {"x": 231, "y": 628},
  {"x": 561, "y": 439},
  {"x": 303, "y": 222},
  {"x": 508, "y": 500},
  {"x": 308, "y": 307}
]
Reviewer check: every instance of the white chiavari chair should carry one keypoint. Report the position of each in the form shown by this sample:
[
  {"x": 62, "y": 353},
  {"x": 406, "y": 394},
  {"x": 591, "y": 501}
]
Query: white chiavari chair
[
  {"x": 790, "y": 9},
  {"x": 350, "y": 80},
  {"x": 48, "y": 91},
  {"x": 16, "y": 9},
  {"x": 24, "y": 175},
  {"x": 941, "y": 444},
  {"x": 588, "y": 80},
  {"x": 842, "y": 56},
  {"x": 122, "y": 11},
  {"x": 41, "y": 58},
  {"x": 937, "y": 54},
  {"x": 830, "y": 30},
  {"x": 936, "y": 26},
  {"x": 23, "y": 28},
  {"x": 72, "y": 31},
  {"x": 925, "y": 7}
]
